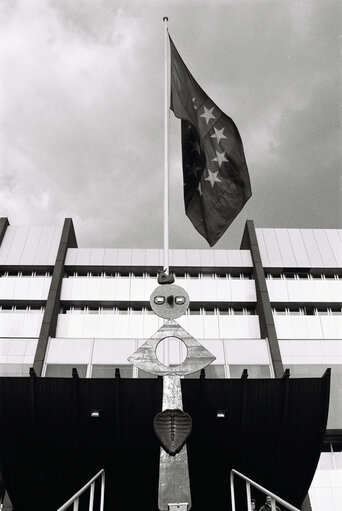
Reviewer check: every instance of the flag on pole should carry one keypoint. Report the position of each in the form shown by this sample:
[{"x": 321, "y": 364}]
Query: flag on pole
[{"x": 216, "y": 180}]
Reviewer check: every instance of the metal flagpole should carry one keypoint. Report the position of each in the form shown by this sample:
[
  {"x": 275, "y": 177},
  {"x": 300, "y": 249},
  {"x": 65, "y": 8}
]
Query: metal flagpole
[{"x": 166, "y": 147}]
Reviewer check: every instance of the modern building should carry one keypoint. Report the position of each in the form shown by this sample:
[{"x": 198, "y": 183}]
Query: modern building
[{"x": 273, "y": 304}]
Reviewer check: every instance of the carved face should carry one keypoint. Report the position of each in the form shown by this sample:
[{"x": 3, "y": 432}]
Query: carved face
[{"x": 169, "y": 301}]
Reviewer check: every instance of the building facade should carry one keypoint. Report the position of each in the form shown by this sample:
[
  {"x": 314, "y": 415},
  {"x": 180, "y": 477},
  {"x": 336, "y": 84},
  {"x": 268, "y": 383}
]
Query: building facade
[{"x": 271, "y": 305}]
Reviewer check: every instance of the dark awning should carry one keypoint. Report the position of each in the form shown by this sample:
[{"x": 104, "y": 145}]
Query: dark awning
[{"x": 50, "y": 445}]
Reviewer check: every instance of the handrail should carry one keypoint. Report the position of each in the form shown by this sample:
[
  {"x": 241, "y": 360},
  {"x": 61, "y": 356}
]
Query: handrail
[
  {"x": 249, "y": 482},
  {"x": 75, "y": 498}
]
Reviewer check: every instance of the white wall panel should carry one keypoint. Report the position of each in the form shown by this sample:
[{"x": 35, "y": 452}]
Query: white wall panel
[
  {"x": 124, "y": 257},
  {"x": 108, "y": 289},
  {"x": 326, "y": 490},
  {"x": 193, "y": 258},
  {"x": 20, "y": 325},
  {"x": 110, "y": 257},
  {"x": 17, "y": 245},
  {"x": 220, "y": 258},
  {"x": 208, "y": 290},
  {"x": 262, "y": 248},
  {"x": 331, "y": 327},
  {"x": 314, "y": 327},
  {"x": 151, "y": 324},
  {"x": 112, "y": 351},
  {"x": 272, "y": 248},
  {"x": 71, "y": 257},
  {"x": 122, "y": 288},
  {"x": 246, "y": 351},
  {"x": 178, "y": 257},
  {"x": 253, "y": 327},
  {"x": 69, "y": 351},
  {"x": 138, "y": 257},
  {"x": 211, "y": 327},
  {"x": 136, "y": 326},
  {"x": 96, "y": 257},
  {"x": 154, "y": 257},
  {"x": 299, "y": 248},
  {"x": 30, "y": 247},
  {"x": 216, "y": 347},
  {"x": 335, "y": 241},
  {"x": 7, "y": 285},
  {"x": 83, "y": 256},
  {"x": 48, "y": 246},
  {"x": 246, "y": 258},
  {"x": 6, "y": 243},
  {"x": 283, "y": 325},
  {"x": 277, "y": 290},
  {"x": 324, "y": 248},
  {"x": 241, "y": 329},
  {"x": 105, "y": 326},
  {"x": 24, "y": 288},
  {"x": 311, "y": 352},
  {"x": 223, "y": 290},
  {"x": 70, "y": 325},
  {"x": 91, "y": 325},
  {"x": 138, "y": 291},
  {"x": 285, "y": 248},
  {"x": 312, "y": 248},
  {"x": 234, "y": 258},
  {"x": 196, "y": 327},
  {"x": 227, "y": 326},
  {"x": 207, "y": 258}
]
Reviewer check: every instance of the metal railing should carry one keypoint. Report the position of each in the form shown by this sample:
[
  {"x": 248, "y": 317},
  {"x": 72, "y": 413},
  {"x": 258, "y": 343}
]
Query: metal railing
[
  {"x": 75, "y": 499},
  {"x": 274, "y": 498}
]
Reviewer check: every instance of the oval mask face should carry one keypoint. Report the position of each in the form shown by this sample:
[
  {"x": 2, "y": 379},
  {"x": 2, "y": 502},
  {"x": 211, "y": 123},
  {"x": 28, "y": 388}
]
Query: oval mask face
[{"x": 169, "y": 301}]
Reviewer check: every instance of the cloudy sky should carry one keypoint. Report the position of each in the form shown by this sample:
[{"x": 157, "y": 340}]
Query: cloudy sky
[{"x": 82, "y": 112}]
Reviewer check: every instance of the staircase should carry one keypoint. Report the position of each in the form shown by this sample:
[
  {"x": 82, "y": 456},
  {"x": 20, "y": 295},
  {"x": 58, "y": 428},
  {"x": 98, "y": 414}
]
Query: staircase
[
  {"x": 74, "y": 500},
  {"x": 271, "y": 497}
]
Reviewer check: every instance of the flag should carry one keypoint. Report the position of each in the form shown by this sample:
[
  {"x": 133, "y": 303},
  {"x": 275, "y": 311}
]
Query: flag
[{"x": 216, "y": 180}]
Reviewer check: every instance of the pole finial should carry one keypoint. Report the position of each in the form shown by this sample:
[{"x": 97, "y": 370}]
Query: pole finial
[{"x": 165, "y": 18}]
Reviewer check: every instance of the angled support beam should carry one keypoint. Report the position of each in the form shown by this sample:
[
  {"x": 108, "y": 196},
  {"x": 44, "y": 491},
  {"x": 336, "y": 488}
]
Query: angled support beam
[
  {"x": 264, "y": 310},
  {"x": 49, "y": 324},
  {"x": 4, "y": 223}
]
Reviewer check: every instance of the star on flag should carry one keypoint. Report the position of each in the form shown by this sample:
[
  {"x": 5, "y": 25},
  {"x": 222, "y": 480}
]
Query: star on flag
[
  {"x": 208, "y": 114},
  {"x": 220, "y": 158},
  {"x": 218, "y": 134},
  {"x": 212, "y": 178},
  {"x": 195, "y": 146}
]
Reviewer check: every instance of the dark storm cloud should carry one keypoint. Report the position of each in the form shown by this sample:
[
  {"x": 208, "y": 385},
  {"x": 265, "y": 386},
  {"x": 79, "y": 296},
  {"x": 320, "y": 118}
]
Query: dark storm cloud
[{"x": 82, "y": 115}]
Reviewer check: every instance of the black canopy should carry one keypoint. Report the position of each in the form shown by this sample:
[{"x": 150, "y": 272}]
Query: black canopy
[{"x": 50, "y": 445}]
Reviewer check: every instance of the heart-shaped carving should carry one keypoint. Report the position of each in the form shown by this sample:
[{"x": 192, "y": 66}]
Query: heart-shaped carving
[{"x": 172, "y": 428}]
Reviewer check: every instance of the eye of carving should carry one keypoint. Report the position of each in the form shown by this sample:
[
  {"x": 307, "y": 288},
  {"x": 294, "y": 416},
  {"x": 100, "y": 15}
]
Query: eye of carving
[
  {"x": 159, "y": 300},
  {"x": 180, "y": 300}
]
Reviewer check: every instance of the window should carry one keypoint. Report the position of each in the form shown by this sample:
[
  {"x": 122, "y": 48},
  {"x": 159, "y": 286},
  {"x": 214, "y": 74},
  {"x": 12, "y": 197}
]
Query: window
[
  {"x": 64, "y": 371},
  {"x": 254, "y": 371},
  {"x": 108, "y": 371}
]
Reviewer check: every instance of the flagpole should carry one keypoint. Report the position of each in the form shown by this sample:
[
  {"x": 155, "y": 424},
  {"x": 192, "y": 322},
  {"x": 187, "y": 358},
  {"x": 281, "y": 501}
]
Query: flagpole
[{"x": 166, "y": 148}]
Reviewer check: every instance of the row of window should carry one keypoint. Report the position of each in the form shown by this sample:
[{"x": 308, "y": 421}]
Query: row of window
[
  {"x": 128, "y": 371},
  {"x": 21, "y": 308},
  {"x": 302, "y": 275},
  {"x": 307, "y": 311},
  {"x": 180, "y": 274},
  {"x": 188, "y": 275},
  {"x": 214, "y": 311},
  {"x": 15, "y": 273},
  {"x": 193, "y": 311}
]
